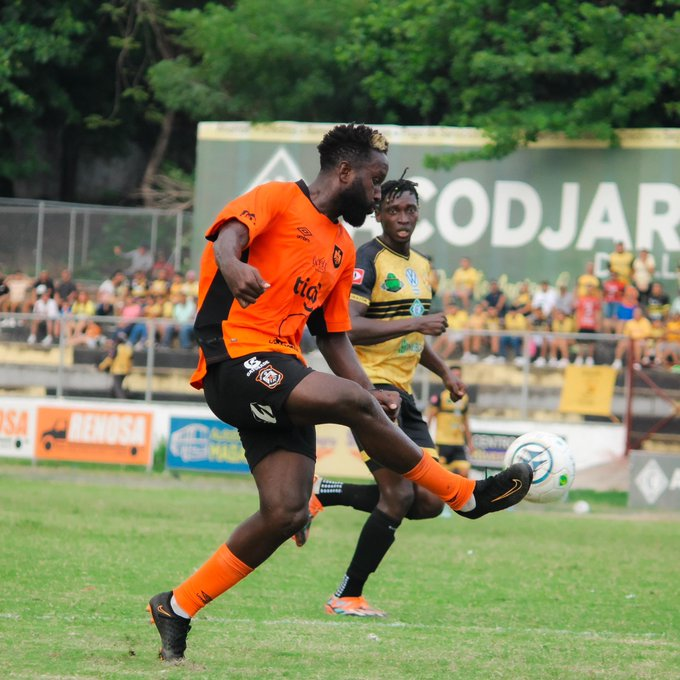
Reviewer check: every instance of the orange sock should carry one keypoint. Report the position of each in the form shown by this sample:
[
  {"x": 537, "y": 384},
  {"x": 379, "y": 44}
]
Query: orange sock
[
  {"x": 222, "y": 571},
  {"x": 451, "y": 488}
]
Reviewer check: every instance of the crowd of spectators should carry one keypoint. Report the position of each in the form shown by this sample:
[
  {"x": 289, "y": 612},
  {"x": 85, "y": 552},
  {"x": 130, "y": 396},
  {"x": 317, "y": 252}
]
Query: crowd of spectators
[
  {"x": 629, "y": 302},
  {"x": 134, "y": 296}
]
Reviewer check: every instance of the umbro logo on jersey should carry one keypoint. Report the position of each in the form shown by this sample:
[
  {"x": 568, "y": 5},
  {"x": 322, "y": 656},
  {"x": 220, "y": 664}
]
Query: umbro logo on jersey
[
  {"x": 262, "y": 413},
  {"x": 248, "y": 215},
  {"x": 269, "y": 377},
  {"x": 358, "y": 277},
  {"x": 305, "y": 234}
]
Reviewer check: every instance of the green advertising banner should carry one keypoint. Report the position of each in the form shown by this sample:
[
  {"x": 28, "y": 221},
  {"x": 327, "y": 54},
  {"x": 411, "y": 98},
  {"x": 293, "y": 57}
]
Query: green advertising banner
[{"x": 541, "y": 213}]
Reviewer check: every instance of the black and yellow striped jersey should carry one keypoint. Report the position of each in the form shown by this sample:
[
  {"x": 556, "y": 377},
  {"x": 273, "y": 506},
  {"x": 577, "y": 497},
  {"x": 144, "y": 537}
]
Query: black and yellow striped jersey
[{"x": 394, "y": 286}]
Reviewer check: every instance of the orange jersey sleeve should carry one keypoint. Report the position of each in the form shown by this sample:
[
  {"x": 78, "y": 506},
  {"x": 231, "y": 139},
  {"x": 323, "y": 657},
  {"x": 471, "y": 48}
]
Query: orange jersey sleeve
[{"x": 306, "y": 258}]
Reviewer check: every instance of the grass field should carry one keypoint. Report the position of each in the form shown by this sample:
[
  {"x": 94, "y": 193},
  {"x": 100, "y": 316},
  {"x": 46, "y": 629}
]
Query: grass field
[{"x": 532, "y": 593}]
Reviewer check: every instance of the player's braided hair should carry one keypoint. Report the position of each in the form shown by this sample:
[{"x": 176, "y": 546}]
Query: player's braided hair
[
  {"x": 349, "y": 142},
  {"x": 394, "y": 188}
]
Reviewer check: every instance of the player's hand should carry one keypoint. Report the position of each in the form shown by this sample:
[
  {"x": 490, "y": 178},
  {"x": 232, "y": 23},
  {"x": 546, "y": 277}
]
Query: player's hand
[
  {"x": 390, "y": 402},
  {"x": 455, "y": 386},
  {"x": 245, "y": 283},
  {"x": 433, "y": 324}
]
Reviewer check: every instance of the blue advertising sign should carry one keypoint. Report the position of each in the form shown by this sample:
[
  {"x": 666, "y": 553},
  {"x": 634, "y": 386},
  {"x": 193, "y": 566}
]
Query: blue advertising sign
[{"x": 204, "y": 444}]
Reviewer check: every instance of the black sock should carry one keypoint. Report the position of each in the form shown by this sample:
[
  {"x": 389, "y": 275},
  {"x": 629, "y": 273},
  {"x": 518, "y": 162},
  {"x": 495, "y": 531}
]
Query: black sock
[
  {"x": 374, "y": 541},
  {"x": 358, "y": 496}
]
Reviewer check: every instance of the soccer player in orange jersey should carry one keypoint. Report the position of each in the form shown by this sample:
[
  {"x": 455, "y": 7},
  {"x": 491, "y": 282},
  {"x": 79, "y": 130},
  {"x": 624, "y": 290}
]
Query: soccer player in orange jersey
[{"x": 278, "y": 259}]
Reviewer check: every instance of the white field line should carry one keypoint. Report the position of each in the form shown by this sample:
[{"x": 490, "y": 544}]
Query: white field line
[{"x": 641, "y": 639}]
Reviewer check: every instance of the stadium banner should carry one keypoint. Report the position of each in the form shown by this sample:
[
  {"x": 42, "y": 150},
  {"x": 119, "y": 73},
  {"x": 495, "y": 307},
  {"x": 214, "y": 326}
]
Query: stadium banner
[
  {"x": 205, "y": 444},
  {"x": 120, "y": 437},
  {"x": 654, "y": 480},
  {"x": 540, "y": 213},
  {"x": 17, "y": 430},
  {"x": 337, "y": 454}
]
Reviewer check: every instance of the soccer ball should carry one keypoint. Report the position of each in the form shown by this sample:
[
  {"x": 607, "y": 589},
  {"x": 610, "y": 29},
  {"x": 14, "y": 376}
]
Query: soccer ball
[{"x": 551, "y": 459}]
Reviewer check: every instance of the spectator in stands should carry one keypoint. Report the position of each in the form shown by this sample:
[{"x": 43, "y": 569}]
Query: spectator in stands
[
  {"x": 472, "y": 344},
  {"x": 141, "y": 260},
  {"x": 139, "y": 284},
  {"x": 48, "y": 320},
  {"x": 668, "y": 348},
  {"x": 496, "y": 299},
  {"x": 522, "y": 302},
  {"x": 114, "y": 288},
  {"x": 19, "y": 298},
  {"x": 191, "y": 284},
  {"x": 644, "y": 267},
  {"x": 612, "y": 294},
  {"x": 464, "y": 281},
  {"x": 675, "y": 305},
  {"x": 4, "y": 293},
  {"x": 177, "y": 285},
  {"x": 44, "y": 279},
  {"x": 162, "y": 265},
  {"x": 91, "y": 335},
  {"x": 627, "y": 306},
  {"x": 560, "y": 346},
  {"x": 621, "y": 261},
  {"x": 159, "y": 307},
  {"x": 160, "y": 283},
  {"x": 565, "y": 300},
  {"x": 130, "y": 312},
  {"x": 588, "y": 322},
  {"x": 637, "y": 330},
  {"x": 66, "y": 288},
  {"x": 493, "y": 323},
  {"x": 514, "y": 321},
  {"x": 539, "y": 325},
  {"x": 545, "y": 299},
  {"x": 183, "y": 314},
  {"x": 118, "y": 362},
  {"x": 651, "y": 351},
  {"x": 81, "y": 309},
  {"x": 457, "y": 318},
  {"x": 658, "y": 303},
  {"x": 587, "y": 278}
]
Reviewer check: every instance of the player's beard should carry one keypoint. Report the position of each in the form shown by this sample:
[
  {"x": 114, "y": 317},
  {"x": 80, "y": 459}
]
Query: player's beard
[{"x": 354, "y": 206}]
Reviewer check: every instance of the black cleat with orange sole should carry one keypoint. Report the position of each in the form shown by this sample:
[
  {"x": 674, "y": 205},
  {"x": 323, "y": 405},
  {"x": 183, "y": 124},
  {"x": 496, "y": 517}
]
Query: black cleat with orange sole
[
  {"x": 172, "y": 628},
  {"x": 501, "y": 491}
]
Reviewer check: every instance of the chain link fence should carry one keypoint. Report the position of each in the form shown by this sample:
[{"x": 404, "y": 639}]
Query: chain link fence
[{"x": 45, "y": 235}]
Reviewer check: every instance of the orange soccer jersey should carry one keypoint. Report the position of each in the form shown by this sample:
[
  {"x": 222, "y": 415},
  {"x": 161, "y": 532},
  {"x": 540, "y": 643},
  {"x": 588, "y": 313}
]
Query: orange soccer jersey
[{"x": 307, "y": 259}]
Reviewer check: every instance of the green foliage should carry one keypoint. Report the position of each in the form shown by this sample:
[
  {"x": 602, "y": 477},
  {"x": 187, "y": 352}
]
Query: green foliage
[
  {"x": 521, "y": 68},
  {"x": 259, "y": 61}
]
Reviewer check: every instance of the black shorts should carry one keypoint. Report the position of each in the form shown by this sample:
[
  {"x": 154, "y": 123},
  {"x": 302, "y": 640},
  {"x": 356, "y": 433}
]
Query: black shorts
[
  {"x": 411, "y": 422},
  {"x": 250, "y": 394},
  {"x": 586, "y": 331},
  {"x": 451, "y": 452}
]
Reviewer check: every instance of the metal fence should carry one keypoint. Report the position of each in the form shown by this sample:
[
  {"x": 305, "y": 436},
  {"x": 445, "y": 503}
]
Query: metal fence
[{"x": 38, "y": 235}]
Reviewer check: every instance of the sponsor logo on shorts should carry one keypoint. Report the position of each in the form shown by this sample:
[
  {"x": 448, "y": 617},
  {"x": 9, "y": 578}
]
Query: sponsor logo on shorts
[
  {"x": 337, "y": 257},
  {"x": 262, "y": 413},
  {"x": 270, "y": 377},
  {"x": 358, "y": 277},
  {"x": 254, "y": 364}
]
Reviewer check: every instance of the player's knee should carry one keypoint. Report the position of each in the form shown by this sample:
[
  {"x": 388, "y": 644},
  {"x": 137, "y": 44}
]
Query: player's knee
[
  {"x": 355, "y": 405},
  {"x": 425, "y": 507},
  {"x": 286, "y": 520},
  {"x": 396, "y": 501}
]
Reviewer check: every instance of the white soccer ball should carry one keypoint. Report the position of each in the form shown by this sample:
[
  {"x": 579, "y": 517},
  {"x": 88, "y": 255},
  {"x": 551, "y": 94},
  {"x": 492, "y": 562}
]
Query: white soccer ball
[{"x": 551, "y": 459}]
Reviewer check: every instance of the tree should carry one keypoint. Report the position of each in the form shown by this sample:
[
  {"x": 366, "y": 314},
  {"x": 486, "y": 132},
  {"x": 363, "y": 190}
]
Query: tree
[
  {"x": 261, "y": 61},
  {"x": 518, "y": 69}
]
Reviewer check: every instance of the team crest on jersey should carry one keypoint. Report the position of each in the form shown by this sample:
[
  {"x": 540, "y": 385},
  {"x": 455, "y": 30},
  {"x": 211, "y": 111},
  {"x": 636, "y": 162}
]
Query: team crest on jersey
[
  {"x": 417, "y": 308},
  {"x": 337, "y": 257},
  {"x": 358, "y": 277},
  {"x": 412, "y": 278},
  {"x": 392, "y": 284},
  {"x": 269, "y": 377}
]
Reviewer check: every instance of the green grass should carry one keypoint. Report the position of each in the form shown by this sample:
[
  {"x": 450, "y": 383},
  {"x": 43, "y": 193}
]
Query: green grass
[{"x": 534, "y": 593}]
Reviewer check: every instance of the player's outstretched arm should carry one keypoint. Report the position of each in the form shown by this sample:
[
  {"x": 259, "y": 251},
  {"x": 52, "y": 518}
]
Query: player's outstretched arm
[
  {"x": 433, "y": 362},
  {"x": 244, "y": 281}
]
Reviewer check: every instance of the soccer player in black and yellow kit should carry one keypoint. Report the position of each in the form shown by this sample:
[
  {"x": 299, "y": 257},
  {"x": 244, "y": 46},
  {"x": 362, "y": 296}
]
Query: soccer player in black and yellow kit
[{"x": 389, "y": 305}]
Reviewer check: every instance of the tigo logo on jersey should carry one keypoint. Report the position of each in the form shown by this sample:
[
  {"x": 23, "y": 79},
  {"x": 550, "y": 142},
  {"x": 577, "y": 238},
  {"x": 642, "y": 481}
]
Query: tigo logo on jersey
[
  {"x": 270, "y": 377},
  {"x": 358, "y": 277}
]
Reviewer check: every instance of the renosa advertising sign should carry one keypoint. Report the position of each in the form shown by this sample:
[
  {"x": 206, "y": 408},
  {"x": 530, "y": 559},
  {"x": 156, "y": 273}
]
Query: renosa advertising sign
[{"x": 94, "y": 436}]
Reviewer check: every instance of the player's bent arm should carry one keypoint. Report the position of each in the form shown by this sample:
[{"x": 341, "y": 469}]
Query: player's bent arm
[
  {"x": 243, "y": 280},
  {"x": 433, "y": 362},
  {"x": 367, "y": 331},
  {"x": 338, "y": 352}
]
